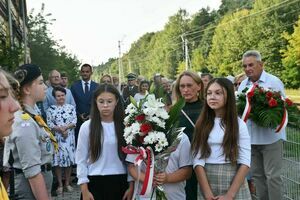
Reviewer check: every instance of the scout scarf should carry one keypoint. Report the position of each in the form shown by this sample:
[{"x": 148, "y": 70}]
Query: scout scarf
[{"x": 39, "y": 120}]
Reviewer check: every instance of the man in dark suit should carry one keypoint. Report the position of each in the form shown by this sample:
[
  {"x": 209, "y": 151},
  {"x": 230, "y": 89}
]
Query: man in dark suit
[
  {"x": 131, "y": 89},
  {"x": 82, "y": 91}
]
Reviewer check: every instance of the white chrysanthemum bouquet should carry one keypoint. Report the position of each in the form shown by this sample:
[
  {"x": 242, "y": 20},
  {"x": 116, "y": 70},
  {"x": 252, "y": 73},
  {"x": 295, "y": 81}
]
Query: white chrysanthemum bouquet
[{"x": 152, "y": 134}]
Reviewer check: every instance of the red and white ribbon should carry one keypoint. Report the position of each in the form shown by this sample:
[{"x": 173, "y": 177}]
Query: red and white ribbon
[
  {"x": 247, "y": 109},
  {"x": 147, "y": 184},
  {"x": 147, "y": 155},
  {"x": 140, "y": 151},
  {"x": 284, "y": 120}
]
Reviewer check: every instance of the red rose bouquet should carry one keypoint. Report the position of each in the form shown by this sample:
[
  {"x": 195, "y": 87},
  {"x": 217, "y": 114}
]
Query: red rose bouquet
[{"x": 267, "y": 108}]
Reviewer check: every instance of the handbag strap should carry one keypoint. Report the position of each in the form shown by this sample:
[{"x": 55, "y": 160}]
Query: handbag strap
[{"x": 188, "y": 118}]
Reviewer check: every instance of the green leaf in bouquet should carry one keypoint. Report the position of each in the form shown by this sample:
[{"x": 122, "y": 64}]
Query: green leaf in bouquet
[
  {"x": 160, "y": 194},
  {"x": 133, "y": 101},
  {"x": 142, "y": 101},
  {"x": 174, "y": 137},
  {"x": 245, "y": 90},
  {"x": 241, "y": 104},
  {"x": 174, "y": 113},
  {"x": 152, "y": 88},
  {"x": 269, "y": 118}
]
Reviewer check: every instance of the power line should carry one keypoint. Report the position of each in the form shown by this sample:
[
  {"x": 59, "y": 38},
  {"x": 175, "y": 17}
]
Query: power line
[
  {"x": 150, "y": 58},
  {"x": 266, "y": 10},
  {"x": 136, "y": 58},
  {"x": 265, "y": 21}
]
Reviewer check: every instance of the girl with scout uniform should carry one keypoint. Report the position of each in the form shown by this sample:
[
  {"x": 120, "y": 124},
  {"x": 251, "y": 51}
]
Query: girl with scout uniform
[
  {"x": 8, "y": 106},
  {"x": 31, "y": 142}
]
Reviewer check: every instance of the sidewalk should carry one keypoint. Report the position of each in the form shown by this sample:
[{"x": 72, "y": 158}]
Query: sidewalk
[{"x": 75, "y": 195}]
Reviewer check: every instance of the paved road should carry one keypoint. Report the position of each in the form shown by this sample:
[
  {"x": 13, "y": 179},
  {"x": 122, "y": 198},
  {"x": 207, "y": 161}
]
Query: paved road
[{"x": 75, "y": 195}]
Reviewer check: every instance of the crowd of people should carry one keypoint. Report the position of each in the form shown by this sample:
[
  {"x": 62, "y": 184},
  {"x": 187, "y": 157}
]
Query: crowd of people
[{"x": 46, "y": 131}]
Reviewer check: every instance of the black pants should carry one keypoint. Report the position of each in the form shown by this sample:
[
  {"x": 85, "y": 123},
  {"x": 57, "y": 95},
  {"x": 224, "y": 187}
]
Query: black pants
[
  {"x": 191, "y": 187},
  {"x": 110, "y": 187}
]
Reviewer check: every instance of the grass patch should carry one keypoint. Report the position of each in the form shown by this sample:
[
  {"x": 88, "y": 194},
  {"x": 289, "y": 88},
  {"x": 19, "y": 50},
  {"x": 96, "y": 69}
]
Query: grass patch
[{"x": 294, "y": 95}]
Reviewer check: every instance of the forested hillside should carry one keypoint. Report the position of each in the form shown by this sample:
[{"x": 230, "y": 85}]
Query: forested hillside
[{"x": 217, "y": 39}]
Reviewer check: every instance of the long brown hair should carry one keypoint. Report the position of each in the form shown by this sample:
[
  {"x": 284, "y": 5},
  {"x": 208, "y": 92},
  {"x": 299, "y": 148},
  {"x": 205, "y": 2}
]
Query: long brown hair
[
  {"x": 229, "y": 123},
  {"x": 96, "y": 129}
]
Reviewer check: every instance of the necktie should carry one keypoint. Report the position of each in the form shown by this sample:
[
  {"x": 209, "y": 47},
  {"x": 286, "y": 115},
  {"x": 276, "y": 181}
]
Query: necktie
[{"x": 86, "y": 87}]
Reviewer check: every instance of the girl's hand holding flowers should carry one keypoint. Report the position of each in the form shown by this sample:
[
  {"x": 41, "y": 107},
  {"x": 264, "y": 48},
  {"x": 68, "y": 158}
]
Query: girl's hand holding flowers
[{"x": 161, "y": 178}]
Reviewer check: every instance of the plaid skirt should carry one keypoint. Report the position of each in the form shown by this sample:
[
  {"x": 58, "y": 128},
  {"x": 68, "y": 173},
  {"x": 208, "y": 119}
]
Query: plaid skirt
[{"x": 220, "y": 177}]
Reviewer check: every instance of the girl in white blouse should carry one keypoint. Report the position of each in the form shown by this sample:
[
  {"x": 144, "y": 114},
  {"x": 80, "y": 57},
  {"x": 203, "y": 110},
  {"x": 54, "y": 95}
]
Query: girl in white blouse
[
  {"x": 143, "y": 88},
  {"x": 221, "y": 145},
  {"x": 101, "y": 169}
]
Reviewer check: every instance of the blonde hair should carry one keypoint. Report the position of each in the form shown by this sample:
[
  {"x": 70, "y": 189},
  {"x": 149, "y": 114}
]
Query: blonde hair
[
  {"x": 195, "y": 77},
  {"x": 14, "y": 85}
]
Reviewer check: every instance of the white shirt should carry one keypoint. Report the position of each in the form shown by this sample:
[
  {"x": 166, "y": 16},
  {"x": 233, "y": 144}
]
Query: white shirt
[
  {"x": 215, "y": 140},
  {"x": 108, "y": 163},
  {"x": 261, "y": 135},
  {"x": 83, "y": 84},
  {"x": 139, "y": 96},
  {"x": 181, "y": 157}
]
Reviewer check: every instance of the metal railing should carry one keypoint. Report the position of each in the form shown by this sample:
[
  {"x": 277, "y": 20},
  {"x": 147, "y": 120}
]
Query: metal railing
[{"x": 291, "y": 165}]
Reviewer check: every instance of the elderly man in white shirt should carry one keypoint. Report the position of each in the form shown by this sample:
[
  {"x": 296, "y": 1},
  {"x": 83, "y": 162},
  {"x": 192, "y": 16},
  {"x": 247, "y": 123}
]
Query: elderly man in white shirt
[{"x": 266, "y": 145}]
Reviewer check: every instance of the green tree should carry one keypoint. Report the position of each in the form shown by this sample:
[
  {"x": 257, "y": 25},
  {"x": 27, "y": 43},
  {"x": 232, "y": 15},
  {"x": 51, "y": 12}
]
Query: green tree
[
  {"x": 230, "y": 6},
  {"x": 228, "y": 44},
  {"x": 198, "y": 24},
  {"x": 139, "y": 52},
  {"x": 10, "y": 54},
  {"x": 42, "y": 47},
  {"x": 200, "y": 37},
  {"x": 260, "y": 28},
  {"x": 160, "y": 51},
  {"x": 45, "y": 51},
  {"x": 169, "y": 45},
  {"x": 265, "y": 29},
  {"x": 10, "y": 58},
  {"x": 291, "y": 58},
  {"x": 198, "y": 61}
]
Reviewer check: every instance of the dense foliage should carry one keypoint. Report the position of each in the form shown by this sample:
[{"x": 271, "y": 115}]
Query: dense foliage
[
  {"x": 45, "y": 51},
  {"x": 218, "y": 39},
  {"x": 216, "y": 43}
]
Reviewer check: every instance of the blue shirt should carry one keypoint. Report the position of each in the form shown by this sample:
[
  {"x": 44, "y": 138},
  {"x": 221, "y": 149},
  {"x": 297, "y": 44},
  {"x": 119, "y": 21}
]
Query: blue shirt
[{"x": 261, "y": 135}]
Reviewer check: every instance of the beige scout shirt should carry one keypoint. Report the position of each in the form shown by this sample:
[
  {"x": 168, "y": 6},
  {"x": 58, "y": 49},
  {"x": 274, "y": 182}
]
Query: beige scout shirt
[{"x": 30, "y": 145}]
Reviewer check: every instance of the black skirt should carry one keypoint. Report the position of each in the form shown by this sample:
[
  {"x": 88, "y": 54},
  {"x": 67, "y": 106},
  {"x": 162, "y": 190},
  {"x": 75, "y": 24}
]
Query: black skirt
[{"x": 110, "y": 187}]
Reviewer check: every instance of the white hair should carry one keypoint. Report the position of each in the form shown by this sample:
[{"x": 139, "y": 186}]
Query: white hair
[{"x": 253, "y": 53}]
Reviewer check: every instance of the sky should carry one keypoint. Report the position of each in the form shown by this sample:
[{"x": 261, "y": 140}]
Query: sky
[{"x": 91, "y": 29}]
